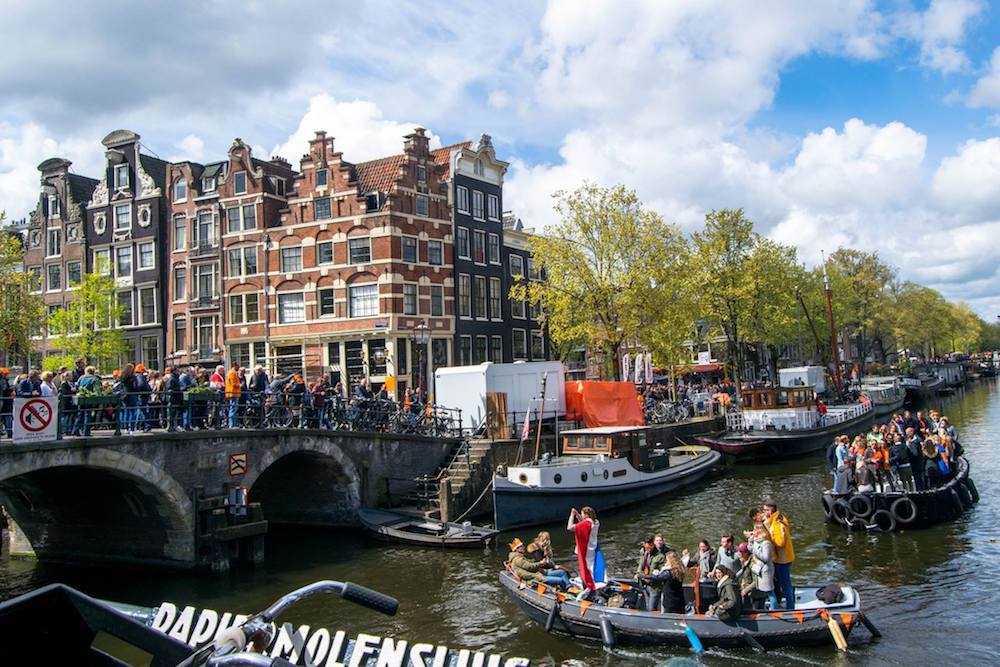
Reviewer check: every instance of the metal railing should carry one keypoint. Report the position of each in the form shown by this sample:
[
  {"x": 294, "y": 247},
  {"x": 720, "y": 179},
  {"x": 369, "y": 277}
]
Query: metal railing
[
  {"x": 792, "y": 419},
  {"x": 201, "y": 409}
]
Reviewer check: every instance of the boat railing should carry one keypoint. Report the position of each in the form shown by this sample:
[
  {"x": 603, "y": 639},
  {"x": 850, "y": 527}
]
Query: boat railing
[{"x": 793, "y": 420}]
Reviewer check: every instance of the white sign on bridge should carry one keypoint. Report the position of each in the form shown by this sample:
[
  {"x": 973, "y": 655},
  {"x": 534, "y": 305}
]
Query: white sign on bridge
[{"x": 35, "y": 419}]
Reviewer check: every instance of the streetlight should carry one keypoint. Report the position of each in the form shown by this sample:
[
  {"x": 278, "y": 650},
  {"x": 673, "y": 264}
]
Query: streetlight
[
  {"x": 421, "y": 336},
  {"x": 267, "y": 314}
]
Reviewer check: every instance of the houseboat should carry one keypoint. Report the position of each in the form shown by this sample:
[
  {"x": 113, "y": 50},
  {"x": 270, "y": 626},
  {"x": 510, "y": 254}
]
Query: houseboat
[
  {"x": 604, "y": 467},
  {"x": 886, "y": 393},
  {"x": 786, "y": 421}
]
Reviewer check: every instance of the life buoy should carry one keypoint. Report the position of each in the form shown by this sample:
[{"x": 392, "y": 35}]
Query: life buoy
[
  {"x": 828, "y": 506},
  {"x": 861, "y": 505},
  {"x": 971, "y": 486},
  {"x": 903, "y": 510},
  {"x": 963, "y": 493},
  {"x": 841, "y": 511},
  {"x": 884, "y": 521},
  {"x": 956, "y": 502}
]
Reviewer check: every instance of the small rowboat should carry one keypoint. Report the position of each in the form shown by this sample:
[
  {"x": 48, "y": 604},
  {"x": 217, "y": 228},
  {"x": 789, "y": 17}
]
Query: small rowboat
[
  {"x": 810, "y": 623},
  {"x": 398, "y": 527}
]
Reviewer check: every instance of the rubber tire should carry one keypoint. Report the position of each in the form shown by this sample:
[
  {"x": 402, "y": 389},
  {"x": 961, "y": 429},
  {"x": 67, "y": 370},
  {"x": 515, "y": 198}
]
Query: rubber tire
[
  {"x": 845, "y": 514},
  {"x": 956, "y": 503},
  {"x": 828, "y": 502},
  {"x": 897, "y": 514},
  {"x": 887, "y": 528},
  {"x": 969, "y": 484},
  {"x": 963, "y": 493},
  {"x": 857, "y": 524},
  {"x": 869, "y": 507}
]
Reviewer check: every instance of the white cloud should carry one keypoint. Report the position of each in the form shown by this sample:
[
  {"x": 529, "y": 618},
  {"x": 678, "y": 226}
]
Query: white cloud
[
  {"x": 986, "y": 92},
  {"x": 940, "y": 31},
  {"x": 967, "y": 183},
  {"x": 191, "y": 147},
  {"x": 359, "y": 130}
]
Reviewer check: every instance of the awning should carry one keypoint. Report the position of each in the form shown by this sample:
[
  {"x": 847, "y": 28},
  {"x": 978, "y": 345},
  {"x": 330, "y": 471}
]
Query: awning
[{"x": 700, "y": 368}]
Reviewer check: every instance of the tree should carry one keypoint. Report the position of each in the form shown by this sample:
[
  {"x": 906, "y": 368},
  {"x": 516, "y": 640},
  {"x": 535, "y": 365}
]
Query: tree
[
  {"x": 862, "y": 290},
  {"x": 603, "y": 264},
  {"x": 919, "y": 318},
  {"x": 87, "y": 327},
  {"x": 20, "y": 308},
  {"x": 743, "y": 282}
]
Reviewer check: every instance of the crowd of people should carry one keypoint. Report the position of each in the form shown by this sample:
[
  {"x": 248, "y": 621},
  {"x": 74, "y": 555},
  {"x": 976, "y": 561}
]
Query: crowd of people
[
  {"x": 908, "y": 453},
  {"x": 192, "y": 398},
  {"x": 753, "y": 575}
]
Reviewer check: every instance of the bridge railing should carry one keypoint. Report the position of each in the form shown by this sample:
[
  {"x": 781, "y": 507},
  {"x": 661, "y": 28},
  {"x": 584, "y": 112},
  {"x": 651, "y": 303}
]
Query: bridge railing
[{"x": 210, "y": 409}]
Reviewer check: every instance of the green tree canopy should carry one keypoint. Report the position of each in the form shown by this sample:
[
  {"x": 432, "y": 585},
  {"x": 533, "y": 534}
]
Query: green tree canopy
[
  {"x": 87, "y": 327},
  {"x": 21, "y": 310}
]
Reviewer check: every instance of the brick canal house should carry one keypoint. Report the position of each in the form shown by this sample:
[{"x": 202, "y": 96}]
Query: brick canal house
[
  {"x": 220, "y": 212},
  {"x": 127, "y": 238},
  {"x": 56, "y": 247},
  {"x": 357, "y": 271}
]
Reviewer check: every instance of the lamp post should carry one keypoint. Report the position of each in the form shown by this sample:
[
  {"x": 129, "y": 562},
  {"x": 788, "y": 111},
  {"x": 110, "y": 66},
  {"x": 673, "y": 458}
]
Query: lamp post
[
  {"x": 421, "y": 336},
  {"x": 267, "y": 313}
]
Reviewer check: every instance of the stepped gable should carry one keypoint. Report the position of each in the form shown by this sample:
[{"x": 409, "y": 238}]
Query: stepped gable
[
  {"x": 378, "y": 175},
  {"x": 442, "y": 156}
]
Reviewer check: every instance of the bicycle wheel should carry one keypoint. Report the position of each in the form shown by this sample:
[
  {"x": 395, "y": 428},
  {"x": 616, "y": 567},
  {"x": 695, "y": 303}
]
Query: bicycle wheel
[{"x": 280, "y": 416}]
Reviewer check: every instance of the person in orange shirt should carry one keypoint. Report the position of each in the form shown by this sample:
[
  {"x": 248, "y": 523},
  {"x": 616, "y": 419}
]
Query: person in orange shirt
[{"x": 233, "y": 391}]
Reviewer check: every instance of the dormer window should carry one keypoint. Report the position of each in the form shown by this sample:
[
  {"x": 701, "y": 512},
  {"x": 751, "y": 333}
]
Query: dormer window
[
  {"x": 321, "y": 175},
  {"x": 372, "y": 202},
  {"x": 278, "y": 184},
  {"x": 240, "y": 182},
  {"x": 478, "y": 168},
  {"x": 208, "y": 184},
  {"x": 180, "y": 190},
  {"x": 121, "y": 175},
  {"x": 421, "y": 173},
  {"x": 53, "y": 206}
]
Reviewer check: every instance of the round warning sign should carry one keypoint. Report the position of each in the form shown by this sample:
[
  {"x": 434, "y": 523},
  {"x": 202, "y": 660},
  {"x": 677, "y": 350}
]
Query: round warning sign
[{"x": 35, "y": 415}]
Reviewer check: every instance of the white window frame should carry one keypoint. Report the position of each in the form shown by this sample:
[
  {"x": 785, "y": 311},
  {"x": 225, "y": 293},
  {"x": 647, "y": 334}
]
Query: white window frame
[
  {"x": 173, "y": 332},
  {"x": 462, "y": 199},
  {"x": 236, "y": 180},
  {"x": 329, "y": 202},
  {"x": 131, "y": 309},
  {"x": 138, "y": 298},
  {"x": 128, "y": 208},
  {"x": 493, "y": 241},
  {"x": 48, "y": 283},
  {"x": 350, "y": 251},
  {"x": 440, "y": 252},
  {"x": 179, "y": 242},
  {"x": 513, "y": 344},
  {"x": 121, "y": 169},
  {"x": 464, "y": 295},
  {"x": 241, "y": 263},
  {"x": 416, "y": 249},
  {"x": 422, "y": 202},
  {"x": 493, "y": 207},
  {"x": 495, "y": 298},
  {"x": 242, "y": 299},
  {"x": 476, "y": 235},
  {"x": 282, "y": 300},
  {"x": 180, "y": 182},
  {"x": 131, "y": 261},
  {"x": 208, "y": 184},
  {"x": 461, "y": 344},
  {"x": 518, "y": 309},
  {"x": 477, "y": 205},
  {"x": 415, "y": 293},
  {"x": 481, "y": 298},
  {"x": 281, "y": 260},
  {"x": 468, "y": 242},
  {"x": 319, "y": 301},
  {"x": 181, "y": 294},
  {"x": 49, "y": 245},
  {"x": 39, "y": 273},
  {"x": 421, "y": 173},
  {"x": 69, "y": 284},
  {"x": 536, "y": 334},
  {"x": 275, "y": 182},
  {"x": 196, "y": 273},
  {"x": 350, "y": 300},
  {"x": 437, "y": 294},
  {"x": 326, "y": 178},
  {"x": 332, "y": 253},
  {"x": 520, "y": 260},
  {"x": 109, "y": 269},
  {"x": 54, "y": 211},
  {"x": 493, "y": 340},
  {"x": 139, "y": 266}
]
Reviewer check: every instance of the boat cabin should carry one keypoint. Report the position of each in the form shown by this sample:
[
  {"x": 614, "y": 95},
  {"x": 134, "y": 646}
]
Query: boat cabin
[
  {"x": 628, "y": 442},
  {"x": 778, "y": 399},
  {"x": 776, "y": 408}
]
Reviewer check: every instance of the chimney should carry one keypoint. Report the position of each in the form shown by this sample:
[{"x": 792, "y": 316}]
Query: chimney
[
  {"x": 279, "y": 161},
  {"x": 417, "y": 143}
]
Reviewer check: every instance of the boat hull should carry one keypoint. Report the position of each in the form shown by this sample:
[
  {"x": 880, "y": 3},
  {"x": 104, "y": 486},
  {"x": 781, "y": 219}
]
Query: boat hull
[
  {"x": 758, "y": 446},
  {"x": 517, "y": 506},
  {"x": 583, "y": 621},
  {"x": 939, "y": 505},
  {"x": 405, "y": 530}
]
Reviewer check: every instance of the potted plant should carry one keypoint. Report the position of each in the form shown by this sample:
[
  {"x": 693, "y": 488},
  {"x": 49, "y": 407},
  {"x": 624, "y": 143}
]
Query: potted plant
[
  {"x": 200, "y": 394},
  {"x": 96, "y": 398}
]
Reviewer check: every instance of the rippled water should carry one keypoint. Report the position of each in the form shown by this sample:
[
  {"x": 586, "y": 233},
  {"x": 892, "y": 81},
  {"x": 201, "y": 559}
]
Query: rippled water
[{"x": 926, "y": 590}]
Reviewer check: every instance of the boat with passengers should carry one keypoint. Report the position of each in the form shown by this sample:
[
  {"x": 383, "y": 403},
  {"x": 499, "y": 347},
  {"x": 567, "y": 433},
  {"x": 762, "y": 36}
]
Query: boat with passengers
[
  {"x": 781, "y": 422},
  {"x": 606, "y": 467}
]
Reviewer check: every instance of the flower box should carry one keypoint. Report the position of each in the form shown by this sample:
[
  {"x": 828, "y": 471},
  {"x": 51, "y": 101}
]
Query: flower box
[{"x": 97, "y": 401}]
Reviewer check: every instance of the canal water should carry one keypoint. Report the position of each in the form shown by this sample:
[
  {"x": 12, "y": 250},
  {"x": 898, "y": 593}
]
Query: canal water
[{"x": 933, "y": 593}]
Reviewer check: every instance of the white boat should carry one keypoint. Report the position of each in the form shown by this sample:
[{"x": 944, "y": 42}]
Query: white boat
[
  {"x": 604, "y": 467},
  {"x": 886, "y": 394}
]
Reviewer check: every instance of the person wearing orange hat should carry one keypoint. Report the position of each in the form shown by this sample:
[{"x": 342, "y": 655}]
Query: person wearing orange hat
[
  {"x": 144, "y": 392},
  {"x": 6, "y": 404},
  {"x": 233, "y": 391}
]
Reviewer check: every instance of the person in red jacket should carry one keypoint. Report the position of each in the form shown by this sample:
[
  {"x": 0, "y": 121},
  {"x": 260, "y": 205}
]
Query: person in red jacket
[{"x": 585, "y": 525}]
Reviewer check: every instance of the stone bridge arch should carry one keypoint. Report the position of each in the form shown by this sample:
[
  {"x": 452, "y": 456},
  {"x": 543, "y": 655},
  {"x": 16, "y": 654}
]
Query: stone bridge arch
[
  {"x": 98, "y": 504},
  {"x": 308, "y": 480}
]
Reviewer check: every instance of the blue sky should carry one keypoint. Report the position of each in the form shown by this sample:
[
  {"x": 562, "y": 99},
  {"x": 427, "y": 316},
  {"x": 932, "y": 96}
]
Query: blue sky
[{"x": 869, "y": 124}]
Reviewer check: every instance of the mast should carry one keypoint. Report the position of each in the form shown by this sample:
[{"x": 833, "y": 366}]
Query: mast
[
  {"x": 541, "y": 412},
  {"x": 835, "y": 352}
]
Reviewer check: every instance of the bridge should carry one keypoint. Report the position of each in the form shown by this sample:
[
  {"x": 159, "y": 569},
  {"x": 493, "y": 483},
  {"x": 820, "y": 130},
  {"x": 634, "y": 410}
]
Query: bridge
[{"x": 145, "y": 498}]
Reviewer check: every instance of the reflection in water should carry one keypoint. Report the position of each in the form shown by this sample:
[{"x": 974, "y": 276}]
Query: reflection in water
[{"x": 925, "y": 589}]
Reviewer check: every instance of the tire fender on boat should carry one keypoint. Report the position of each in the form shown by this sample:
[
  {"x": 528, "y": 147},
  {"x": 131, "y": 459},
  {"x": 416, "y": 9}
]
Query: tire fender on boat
[
  {"x": 842, "y": 511},
  {"x": 883, "y": 520},
  {"x": 969, "y": 484},
  {"x": 857, "y": 523},
  {"x": 828, "y": 502},
  {"x": 903, "y": 510},
  {"x": 964, "y": 495},
  {"x": 861, "y": 505},
  {"x": 551, "y": 619},
  {"x": 956, "y": 502}
]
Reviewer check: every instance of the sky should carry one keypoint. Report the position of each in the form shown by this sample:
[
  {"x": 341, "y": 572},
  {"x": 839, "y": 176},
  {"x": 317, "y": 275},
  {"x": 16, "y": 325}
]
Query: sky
[{"x": 869, "y": 124}]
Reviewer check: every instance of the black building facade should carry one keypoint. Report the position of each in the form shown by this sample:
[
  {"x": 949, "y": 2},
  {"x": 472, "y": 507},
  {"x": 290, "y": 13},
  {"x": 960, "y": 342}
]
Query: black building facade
[
  {"x": 528, "y": 337},
  {"x": 126, "y": 236}
]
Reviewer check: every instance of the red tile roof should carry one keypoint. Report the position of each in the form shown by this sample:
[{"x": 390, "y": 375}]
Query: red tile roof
[
  {"x": 379, "y": 175},
  {"x": 442, "y": 156}
]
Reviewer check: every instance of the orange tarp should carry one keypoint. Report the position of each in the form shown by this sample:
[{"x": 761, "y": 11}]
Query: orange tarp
[{"x": 604, "y": 403}]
